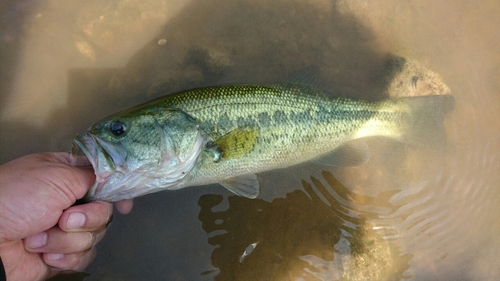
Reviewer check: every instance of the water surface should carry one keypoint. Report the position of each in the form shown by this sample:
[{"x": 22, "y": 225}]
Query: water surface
[{"x": 409, "y": 213}]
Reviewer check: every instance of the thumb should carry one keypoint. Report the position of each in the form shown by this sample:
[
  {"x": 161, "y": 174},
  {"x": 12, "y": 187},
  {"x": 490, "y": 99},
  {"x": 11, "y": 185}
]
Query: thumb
[{"x": 81, "y": 177}]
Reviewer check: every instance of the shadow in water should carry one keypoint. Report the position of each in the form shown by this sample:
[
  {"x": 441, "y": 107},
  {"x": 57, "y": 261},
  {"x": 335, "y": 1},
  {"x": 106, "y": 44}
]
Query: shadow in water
[
  {"x": 320, "y": 234},
  {"x": 214, "y": 42},
  {"x": 237, "y": 50},
  {"x": 255, "y": 41},
  {"x": 219, "y": 42},
  {"x": 13, "y": 13}
]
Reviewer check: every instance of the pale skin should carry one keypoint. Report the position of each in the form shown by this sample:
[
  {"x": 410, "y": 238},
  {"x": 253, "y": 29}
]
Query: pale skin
[{"x": 41, "y": 232}]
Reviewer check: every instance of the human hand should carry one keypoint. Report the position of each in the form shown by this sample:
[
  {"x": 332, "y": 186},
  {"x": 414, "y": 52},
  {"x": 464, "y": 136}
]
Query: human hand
[{"x": 41, "y": 233}]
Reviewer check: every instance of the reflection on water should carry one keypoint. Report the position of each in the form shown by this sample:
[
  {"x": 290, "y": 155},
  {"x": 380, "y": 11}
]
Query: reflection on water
[
  {"x": 302, "y": 236},
  {"x": 408, "y": 213}
]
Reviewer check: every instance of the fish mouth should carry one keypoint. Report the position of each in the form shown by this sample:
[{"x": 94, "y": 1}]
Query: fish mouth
[{"x": 105, "y": 158}]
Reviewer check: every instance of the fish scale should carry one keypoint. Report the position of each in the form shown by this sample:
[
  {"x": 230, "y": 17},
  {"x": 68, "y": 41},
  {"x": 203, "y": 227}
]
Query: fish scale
[
  {"x": 227, "y": 134},
  {"x": 304, "y": 123}
]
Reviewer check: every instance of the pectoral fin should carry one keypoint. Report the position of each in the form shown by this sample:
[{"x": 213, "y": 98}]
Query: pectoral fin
[
  {"x": 247, "y": 185},
  {"x": 351, "y": 154}
]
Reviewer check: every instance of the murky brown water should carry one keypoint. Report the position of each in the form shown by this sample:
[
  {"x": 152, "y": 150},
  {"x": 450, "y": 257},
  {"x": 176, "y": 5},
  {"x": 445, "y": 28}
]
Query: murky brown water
[{"x": 409, "y": 213}]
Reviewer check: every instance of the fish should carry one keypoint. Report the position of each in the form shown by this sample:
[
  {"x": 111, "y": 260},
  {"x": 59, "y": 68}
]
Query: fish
[{"x": 227, "y": 134}]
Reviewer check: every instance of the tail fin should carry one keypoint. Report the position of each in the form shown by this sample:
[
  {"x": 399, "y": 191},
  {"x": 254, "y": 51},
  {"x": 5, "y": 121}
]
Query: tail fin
[{"x": 424, "y": 126}]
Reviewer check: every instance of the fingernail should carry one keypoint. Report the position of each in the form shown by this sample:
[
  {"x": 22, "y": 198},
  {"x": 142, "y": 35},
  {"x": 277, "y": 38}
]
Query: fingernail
[
  {"x": 76, "y": 220},
  {"x": 36, "y": 241},
  {"x": 53, "y": 257}
]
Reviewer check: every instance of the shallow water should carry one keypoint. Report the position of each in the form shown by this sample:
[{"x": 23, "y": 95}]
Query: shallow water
[{"x": 409, "y": 213}]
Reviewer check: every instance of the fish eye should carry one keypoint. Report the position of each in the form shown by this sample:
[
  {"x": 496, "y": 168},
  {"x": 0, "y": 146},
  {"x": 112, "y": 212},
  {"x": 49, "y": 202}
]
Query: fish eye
[{"x": 117, "y": 128}]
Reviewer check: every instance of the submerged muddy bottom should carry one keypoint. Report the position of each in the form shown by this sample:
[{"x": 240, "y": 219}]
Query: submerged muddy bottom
[{"x": 408, "y": 213}]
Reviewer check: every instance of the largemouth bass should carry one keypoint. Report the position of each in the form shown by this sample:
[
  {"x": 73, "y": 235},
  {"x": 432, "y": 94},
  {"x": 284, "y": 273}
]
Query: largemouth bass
[{"x": 227, "y": 134}]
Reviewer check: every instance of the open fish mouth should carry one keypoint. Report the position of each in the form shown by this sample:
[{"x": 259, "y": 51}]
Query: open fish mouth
[{"x": 105, "y": 158}]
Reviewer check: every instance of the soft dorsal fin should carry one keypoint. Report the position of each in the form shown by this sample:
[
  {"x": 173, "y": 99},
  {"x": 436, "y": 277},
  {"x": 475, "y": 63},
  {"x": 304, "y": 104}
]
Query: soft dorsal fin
[
  {"x": 350, "y": 154},
  {"x": 246, "y": 185},
  {"x": 237, "y": 143}
]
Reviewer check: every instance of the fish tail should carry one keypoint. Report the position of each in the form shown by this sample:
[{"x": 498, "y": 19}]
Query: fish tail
[{"x": 424, "y": 124}]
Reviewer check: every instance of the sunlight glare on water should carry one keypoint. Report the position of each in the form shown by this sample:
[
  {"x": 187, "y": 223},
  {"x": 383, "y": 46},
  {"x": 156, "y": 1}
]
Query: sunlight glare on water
[{"x": 409, "y": 213}]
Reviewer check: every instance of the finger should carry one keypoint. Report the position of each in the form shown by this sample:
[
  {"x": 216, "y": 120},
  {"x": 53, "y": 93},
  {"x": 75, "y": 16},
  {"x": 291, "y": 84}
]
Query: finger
[
  {"x": 55, "y": 240},
  {"x": 124, "y": 206},
  {"x": 86, "y": 217},
  {"x": 73, "y": 261}
]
